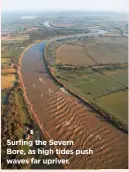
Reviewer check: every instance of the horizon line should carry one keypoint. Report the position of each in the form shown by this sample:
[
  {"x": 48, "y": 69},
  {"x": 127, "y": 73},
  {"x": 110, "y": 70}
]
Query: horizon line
[{"x": 65, "y": 10}]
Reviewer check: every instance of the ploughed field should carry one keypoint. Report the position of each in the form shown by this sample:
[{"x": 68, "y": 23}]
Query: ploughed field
[
  {"x": 73, "y": 54},
  {"x": 105, "y": 50},
  {"x": 66, "y": 118}
]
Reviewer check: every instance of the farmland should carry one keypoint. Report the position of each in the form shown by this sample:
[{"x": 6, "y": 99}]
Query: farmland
[
  {"x": 116, "y": 103},
  {"x": 16, "y": 38},
  {"x": 8, "y": 81},
  {"x": 6, "y": 60},
  {"x": 9, "y": 59},
  {"x": 74, "y": 54},
  {"x": 8, "y": 71},
  {"x": 105, "y": 50},
  {"x": 87, "y": 80},
  {"x": 94, "y": 86},
  {"x": 96, "y": 69},
  {"x": 11, "y": 50},
  {"x": 12, "y": 53},
  {"x": 108, "y": 53},
  {"x": 121, "y": 75}
]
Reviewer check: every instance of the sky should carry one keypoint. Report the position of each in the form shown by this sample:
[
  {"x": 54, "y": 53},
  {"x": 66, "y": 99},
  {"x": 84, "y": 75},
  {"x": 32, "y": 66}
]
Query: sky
[{"x": 85, "y": 5}]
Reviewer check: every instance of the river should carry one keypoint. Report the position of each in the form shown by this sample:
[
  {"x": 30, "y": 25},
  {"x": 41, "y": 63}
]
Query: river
[
  {"x": 46, "y": 23},
  {"x": 65, "y": 118}
]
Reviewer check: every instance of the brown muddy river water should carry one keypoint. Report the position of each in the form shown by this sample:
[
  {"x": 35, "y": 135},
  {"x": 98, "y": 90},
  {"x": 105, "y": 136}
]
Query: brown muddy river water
[{"x": 65, "y": 118}]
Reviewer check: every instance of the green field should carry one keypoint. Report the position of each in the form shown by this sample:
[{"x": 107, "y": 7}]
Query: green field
[
  {"x": 11, "y": 53},
  {"x": 117, "y": 103},
  {"x": 90, "y": 82},
  {"x": 6, "y": 60},
  {"x": 21, "y": 105},
  {"x": 121, "y": 76},
  {"x": 98, "y": 88},
  {"x": 108, "y": 53}
]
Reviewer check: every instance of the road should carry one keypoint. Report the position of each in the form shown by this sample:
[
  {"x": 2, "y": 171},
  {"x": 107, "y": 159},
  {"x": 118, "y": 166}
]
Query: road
[{"x": 65, "y": 118}]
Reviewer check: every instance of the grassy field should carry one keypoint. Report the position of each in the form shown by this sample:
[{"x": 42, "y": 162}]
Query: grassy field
[
  {"x": 7, "y": 81},
  {"x": 102, "y": 51},
  {"x": 114, "y": 41},
  {"x": 85, "y": 41},
  {"x": 11, "y": 50},
  {"x": 22, "y": 108},
  {"x": 6, "y": 60},
  {"x": 108, "y": 53},
  {"x": 3, "y": 47},
  {"x": 11, "y": 53},
  {"x": 117, "y": 103},
  {"x": 15, "y": 38},
  {"x": 97, "y": 88},
  {"x": 90, "y": 82},
  {"x": 121, "y": 75},
  {"x": 8, "y": 71},
  {"x": 73, "y": 54}
]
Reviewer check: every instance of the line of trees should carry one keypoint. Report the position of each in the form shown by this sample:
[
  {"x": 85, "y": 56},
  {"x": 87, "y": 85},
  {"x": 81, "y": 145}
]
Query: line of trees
[{"x": 11, "y": 129}]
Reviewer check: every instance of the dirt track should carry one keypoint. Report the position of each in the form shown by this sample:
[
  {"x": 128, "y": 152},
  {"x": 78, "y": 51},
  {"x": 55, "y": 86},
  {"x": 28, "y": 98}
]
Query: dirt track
[{"x": 65, "y": 118}]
